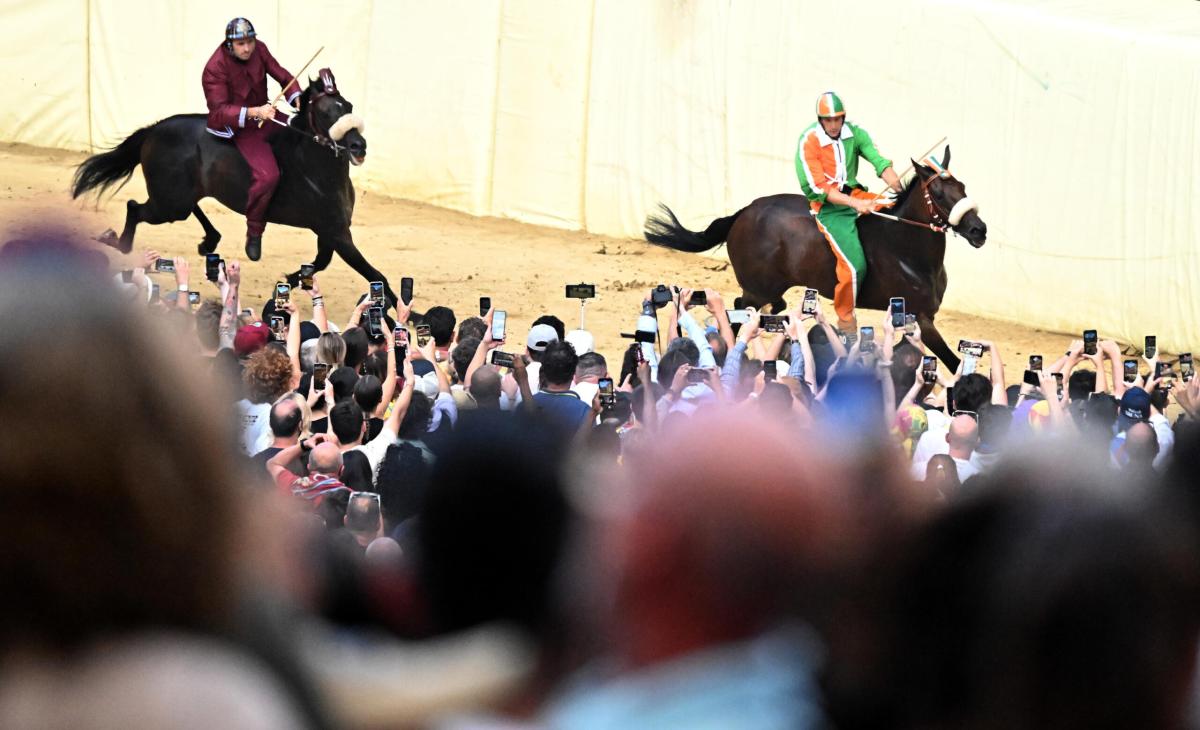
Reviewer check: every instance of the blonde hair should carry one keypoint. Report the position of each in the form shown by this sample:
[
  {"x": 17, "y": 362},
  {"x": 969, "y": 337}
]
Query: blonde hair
[{"x": 331, "y": 350}]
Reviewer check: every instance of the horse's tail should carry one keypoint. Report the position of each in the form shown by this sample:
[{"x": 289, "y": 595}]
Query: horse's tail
[
  {"x": 102, "y": 171},
  {"x": 664, "y": 229}
]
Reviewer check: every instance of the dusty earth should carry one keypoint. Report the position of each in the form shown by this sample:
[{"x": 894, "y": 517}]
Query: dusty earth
[{"x": 453, "y": 257}]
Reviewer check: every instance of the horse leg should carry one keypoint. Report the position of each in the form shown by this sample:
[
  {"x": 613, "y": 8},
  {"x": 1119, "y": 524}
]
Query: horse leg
[
  {"x": 320, "y": 262},
  {"x": 211, "y": 235},
  {"x": 344, "y": 245},
  {"x": 149, "y": 212},
  {"x": 930, "y": 336},
  {"x": 132, "y": 218}
]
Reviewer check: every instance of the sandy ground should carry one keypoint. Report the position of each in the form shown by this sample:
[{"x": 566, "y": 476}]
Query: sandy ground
[{"x": 454, "y": 258}]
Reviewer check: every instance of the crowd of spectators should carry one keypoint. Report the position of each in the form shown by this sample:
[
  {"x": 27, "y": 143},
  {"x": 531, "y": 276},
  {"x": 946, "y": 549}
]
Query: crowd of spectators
[{"x": 270, "y": 517}]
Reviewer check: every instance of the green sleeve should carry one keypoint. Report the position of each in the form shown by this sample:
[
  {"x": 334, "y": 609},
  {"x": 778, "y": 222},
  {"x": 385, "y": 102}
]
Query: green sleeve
[
  {"x": 866, "y": 148},
  {"x": 816, "y": 195}
]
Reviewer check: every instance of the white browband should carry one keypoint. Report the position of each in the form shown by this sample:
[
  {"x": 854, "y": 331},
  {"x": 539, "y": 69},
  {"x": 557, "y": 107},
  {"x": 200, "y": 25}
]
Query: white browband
[
  {"x": 960, "y": 209},
  {"x": 345, "y": 123}
]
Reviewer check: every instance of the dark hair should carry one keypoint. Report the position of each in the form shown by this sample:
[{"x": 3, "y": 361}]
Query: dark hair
[
  {"x": 971, "y": 392},
  {"x": 668, "y": 364},
  {"x": 1080, "y": 384},
  {"x": 417, "y": 418},
  {"x": 591, "y": 363},
  {"x": 558, "y": 363},
  {"x": 208, "y": 323},
  {"x": 687, "y": 347},
  {"x": 286, "y": 417},
  {"x": 343, "y": 379},
  {"x": 403, "y": 479},
  {"x": 629, "y": 365},
  {"x": 356, "y": 471},
  {"x": 368, "y": 392},
  {"x": 995, "y": 421},
  {"x": 357, "y": 346},
  {"x": 346, "y": 418},
  {"x": 441, "y": 325},
  {"x": 554, "y": 322},
  {"x": 362, "y": 512},
  {"x": 376, "y": 364},
  {"x": 1158, "y": 399},
  {"x": 471, "y": 327},
  {"x": 461, "y": 357},
  {"x": 822, "y": 350},
  {"x": 472, "y": 566}
]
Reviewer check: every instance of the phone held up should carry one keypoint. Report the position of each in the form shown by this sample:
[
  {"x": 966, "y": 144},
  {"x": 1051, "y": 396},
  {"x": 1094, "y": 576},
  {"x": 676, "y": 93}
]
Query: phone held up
[
  {"x": 320, "y": 370},
  {"x": 698, "y": 299},
  {"x": 485, "y": 303},
  {"x": 375, "y": 321},
  {"x": 929, "y": 368},
  {"x": 212, "y": 266},
  {"x": 1035, "y": 362},
  {"x": 422, "y": 335},
  {"x": 498, "y": 321},
  {"x": 1089, "y": 342},
  {"x": 1033, "y": 377},
  {"x": 283, "y": 293},
  {"x": 164, "y": 266},
  {"x": 581, "y": 291},
  {"x": 809, "y": 304},
  {"x": 1186, "y": 369},
  {"x": 1130, "y": 371},
  {"x": 502, "y": 359},
  {"x": 770, "y": 371},
  {"x": 896, "y": 308},
  {"x": 974, "y": 349},
  {"x": 306, "y": 276},
  {"x": 608, "y": 397},
  {"x": 406, "y": 290},
  {"x": 277, "y": 327},
  {"x": 1151, "y": 349},
  {"x": 375, "y": 293},
  {"x": 866, "y": 339},
  {"x": 400, "y": 334},
  {"x": 772, "y": 322}
]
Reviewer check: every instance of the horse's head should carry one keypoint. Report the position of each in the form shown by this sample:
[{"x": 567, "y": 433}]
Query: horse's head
[
  {"x": 326, "y": 113},
  {"x": 946, "y": 198}
]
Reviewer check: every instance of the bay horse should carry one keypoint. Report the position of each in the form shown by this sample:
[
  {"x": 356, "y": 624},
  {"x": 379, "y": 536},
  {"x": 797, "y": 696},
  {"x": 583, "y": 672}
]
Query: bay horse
[
  {"x": 183, "y": 163},
  {"x": 774, "y": 244}
]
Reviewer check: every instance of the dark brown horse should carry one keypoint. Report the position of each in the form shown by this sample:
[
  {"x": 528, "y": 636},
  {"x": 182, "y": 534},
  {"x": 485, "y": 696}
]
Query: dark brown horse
[
  {"x": 774, "y": 245},
  {"x": 182, "y": 164}
]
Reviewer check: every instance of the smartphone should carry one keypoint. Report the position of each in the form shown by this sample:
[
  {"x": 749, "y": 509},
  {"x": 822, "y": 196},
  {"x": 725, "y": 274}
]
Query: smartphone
[
  {"x": 306, "y": 276},
  {"x": 1131, "y": 370},
  {"x": 164, "y": 266},
  {"x": 1089, "y": 342},
  {"x": 375, "y": 321},
  {"x": 320, "y": 370},
  {"x": 770, "y": 371},
  {"x": 1058, "y": 379},
  {"x": 1166, "y": 378},
  {"x": 283, "y": 292},
  {"x": 929, "y": 368},
  {"x": 248, "y": 312},
  {"x": 401, "y": 336},
  {"x": 127, "y": 276},
  {"x": 973, "y": 349},
  {"x": 737, "y": 316},
  {"x": 498, "y": 318},
  {"x": 910, "y": 324},
  {"x": 896, "y": 308},
  {"x": 277, "y": 327},
  {"x": 608, "y": 398},
  {"x": 502, "y": 359},
  {"x": 772, "y": 322},
  {"x": 866, "y": 339},
  {"x": 809, "y": 305},
  {"x": 1033, "y": 377},
  {"x": 406, "y": 290},
  {"x": 1035, "y": 362},
  {"x": 485, "y": 303},
  {"x": 193, "y": 298},
  {"x": 1186, "y": 368},
  {"x": 422, "y": 334},
  {"x": 375, "y": 293},
  {"x": 212, "y": 266},
  {"x": 698, "y": 299},
  {"x": 1151, "y": 347},
  {"x": 581, "y": 291},
  {"x": 699, "y": 375}
]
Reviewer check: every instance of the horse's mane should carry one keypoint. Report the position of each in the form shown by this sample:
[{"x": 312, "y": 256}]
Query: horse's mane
[{"x": 902, "y": 196}]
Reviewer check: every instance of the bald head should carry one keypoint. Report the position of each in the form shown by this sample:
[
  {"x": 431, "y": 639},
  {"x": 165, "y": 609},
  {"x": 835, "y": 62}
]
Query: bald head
[
  {"x": 963, "y": 436},
  {"x": 286, "y": 418},
  {"x": 326, "y": 458},
  {"x": 1141, "y": 444},
  {"x": 485, "y": 386}
]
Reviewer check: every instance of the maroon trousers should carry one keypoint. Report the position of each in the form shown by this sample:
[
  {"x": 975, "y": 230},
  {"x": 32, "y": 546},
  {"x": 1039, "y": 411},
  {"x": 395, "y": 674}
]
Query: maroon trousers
[{"x": 255, "y": 145}]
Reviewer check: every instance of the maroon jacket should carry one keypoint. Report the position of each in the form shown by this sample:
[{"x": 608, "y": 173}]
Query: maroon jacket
[{"x": 230, "y": 86}]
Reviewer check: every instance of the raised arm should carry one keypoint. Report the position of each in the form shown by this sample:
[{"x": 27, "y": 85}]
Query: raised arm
[
  {"x": 320, "y": 317},
  {"x": 293, "y": 338},
  {"x": 233, "y": 280},
  {"x": 486, "y": 345},
  {"x": 999, "y": 389},
  {"x": 389, "y": 381},
  {"x": 716, "y": 306},
  {"x": 182, "y": 270}
]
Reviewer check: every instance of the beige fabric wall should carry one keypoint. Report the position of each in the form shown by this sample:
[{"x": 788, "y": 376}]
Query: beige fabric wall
[{"x": 1071, "y": 122}]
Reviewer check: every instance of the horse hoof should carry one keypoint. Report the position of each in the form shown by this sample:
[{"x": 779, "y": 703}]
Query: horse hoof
[{"x": 205, "y": 247}]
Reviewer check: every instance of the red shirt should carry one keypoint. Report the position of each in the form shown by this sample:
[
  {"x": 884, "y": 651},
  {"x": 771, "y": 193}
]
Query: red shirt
[{"x": 230, "y": 86}]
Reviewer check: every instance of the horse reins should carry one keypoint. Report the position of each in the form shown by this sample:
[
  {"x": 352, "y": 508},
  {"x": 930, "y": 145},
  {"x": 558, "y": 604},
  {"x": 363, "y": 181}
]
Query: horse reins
[
  {"x": 939, "y": 222},
  {"x": 328, "y": 88}
]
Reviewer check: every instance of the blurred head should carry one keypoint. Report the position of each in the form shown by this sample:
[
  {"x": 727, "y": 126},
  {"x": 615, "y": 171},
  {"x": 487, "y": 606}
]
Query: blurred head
[
  {"x": 441, "y": 325},
  {"x": 485, "y": 387},
  {"x": 1141, "y": 445},
  {"x": 963, "y": 436},
  {"x": 363, "y": 518},
  {"x": 325, "y": 458},
  {"x": 775, "y": 401},
  {"x": 471, "y": 327},
  {"x": 942, "y": 473},
  {"x": 208, "y": 322},
  {"x": 267, "y": 375},
  {"x": 114, "y": 521},
  {"x": 403, "y": 479}
]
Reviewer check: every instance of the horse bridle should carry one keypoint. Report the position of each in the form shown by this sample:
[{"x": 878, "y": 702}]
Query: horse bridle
[{"x": 328, "y": 88}]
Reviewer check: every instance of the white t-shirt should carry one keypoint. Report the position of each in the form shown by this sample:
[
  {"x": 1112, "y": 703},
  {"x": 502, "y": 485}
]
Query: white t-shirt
[{"x": 254, "y": 419}]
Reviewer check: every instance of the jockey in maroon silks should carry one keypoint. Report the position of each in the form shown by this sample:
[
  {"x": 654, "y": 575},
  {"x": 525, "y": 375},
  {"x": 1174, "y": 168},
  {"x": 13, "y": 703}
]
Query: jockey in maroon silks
[{"x": 235, "y": 87}]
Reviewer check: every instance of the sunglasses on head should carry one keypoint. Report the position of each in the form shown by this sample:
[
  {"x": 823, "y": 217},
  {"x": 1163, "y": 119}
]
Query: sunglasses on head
[{"x": 972, "y": 414}]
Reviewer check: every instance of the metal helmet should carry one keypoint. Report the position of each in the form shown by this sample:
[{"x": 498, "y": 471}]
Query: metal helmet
[
  {"x": 238, "y": 29},
  {"x": 829, "y": 105}
]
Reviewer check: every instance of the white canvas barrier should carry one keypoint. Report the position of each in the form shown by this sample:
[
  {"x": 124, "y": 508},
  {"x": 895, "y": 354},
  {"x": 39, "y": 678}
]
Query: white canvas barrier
[{"x": 1072, "y": 123}]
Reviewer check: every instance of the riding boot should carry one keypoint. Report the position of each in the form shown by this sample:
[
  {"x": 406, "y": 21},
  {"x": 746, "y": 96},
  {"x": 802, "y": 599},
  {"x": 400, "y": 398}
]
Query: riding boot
[{"x": 254, "y": 247}]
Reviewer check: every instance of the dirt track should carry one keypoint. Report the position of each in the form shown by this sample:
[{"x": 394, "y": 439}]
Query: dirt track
[{"x": 454, "y": 258}]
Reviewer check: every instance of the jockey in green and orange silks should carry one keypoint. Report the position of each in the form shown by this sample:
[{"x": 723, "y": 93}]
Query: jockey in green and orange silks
[{"x": 827, "y": 165}]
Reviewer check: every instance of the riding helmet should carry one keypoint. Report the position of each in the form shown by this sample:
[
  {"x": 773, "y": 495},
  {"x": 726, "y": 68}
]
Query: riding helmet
[
  {"x": 829, "y": 104},
  {"x": 238, "y": 29}
]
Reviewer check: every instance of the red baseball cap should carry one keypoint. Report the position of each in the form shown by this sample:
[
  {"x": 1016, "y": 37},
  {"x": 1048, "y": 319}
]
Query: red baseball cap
[{"x": 251, "y": 339}]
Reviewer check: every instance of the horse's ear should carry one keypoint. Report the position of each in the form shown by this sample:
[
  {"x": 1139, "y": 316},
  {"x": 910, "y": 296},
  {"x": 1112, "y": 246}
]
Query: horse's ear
[
  {"x": 921, "y": 169},
  {"x": 946, "y": 159}
]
